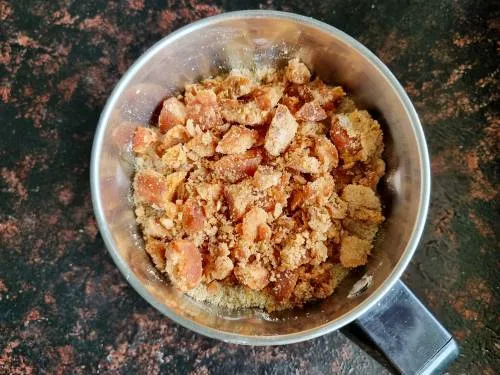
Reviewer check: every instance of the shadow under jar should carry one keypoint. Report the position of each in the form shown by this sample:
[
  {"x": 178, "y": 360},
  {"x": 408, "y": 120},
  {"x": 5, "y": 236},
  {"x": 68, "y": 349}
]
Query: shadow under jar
[{"x": 391, "y": 316}]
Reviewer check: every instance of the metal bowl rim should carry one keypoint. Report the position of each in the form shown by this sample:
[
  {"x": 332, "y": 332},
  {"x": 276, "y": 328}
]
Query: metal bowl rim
[{"x": 272, "y": 339}]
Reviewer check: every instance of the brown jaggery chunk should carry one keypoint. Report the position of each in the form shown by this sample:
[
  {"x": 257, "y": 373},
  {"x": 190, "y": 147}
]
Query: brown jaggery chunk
[
  {"x": 238, "y": 139},
  {"x": 311, "y": 111},
  {"x": 236, "y": 85},
  {"x": 319, "y": 191},
  {"x": 173, "y": 113},
  {"x": 242, "y": 113},
  {"x": 143, "y": 139},
  {"x": 173, "y": 136},
  {"x": 357, "y": 136},
  {"x": 268, "y": 96},
  {"x": 354, "y": 251},
  {"x": 239, "y": 197},
  {"x": 326, "y": 153},
  {"x": 155, "y": 189},
  {"x": 327, "y": 96},
  {"x": 297, "y": 72},
  {"x": 193, "y": 217},
  {"x": 203, "y": 109},
  {"x": 360, "y": 196},
  {"x": 266, "y": 177},
  {"x": 362, "y": 229},
  {"x": 221, "y": 268},
  {"x": 234, "y": 168},
  {"x": 183, "y": 264},
  {"x": 254, "y": 224},
  {"x": 300, "y": 161},
  {"x": 156, "y": 249},
  {"x": 281, "y": 131},
  {"x": 253, "y": 275},
  {"x": 209, "y": 192},
  {"x": 201, "y": 146},
  {"x": 175, "y": 157},
  {"x": 284, "y": 285},
  {"x": 362, "y": 203},
  {"x": 294, "y": 253},
  {"x": 258, "y": 189}
]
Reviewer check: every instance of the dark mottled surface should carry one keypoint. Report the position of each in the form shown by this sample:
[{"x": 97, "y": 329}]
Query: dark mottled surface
[{"x": 64, "y": 307}]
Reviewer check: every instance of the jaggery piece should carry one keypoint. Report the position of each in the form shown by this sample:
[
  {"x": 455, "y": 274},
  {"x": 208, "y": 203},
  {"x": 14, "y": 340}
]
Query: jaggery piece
[
  {"x": 294, "y": 252},
  {"x": 239, "y": 197},
  {"x": 174, "y": 157},
  {"x": 298, "y": 156},
  {"x": 203, "y": 109},
  {"x": 326, "y": 153},
  {"x": 337, "y": 208},
  {"x": 254, "y": 224},
  {"x": 263, "y": 232},
  {"x": 282, "y": 228},
  {"x": 357, "y": 136},
  {"x": 362, "y": 229},
  {"x": 281, "y": 131},
  {"x": 354, "y": 251},
  {"x": 143, "y": 139},
  {"x": 193, "y": 217},
  {"x": 234, "y": 168},
  {"x": 277, "y": 196},
  {"x": 319, "y": 191},
  {"x": 298, "y": 197},
  {"x": 345, "y": 105},
  {"x": 291, "y": 102},
  {"x": 374, "y": 171},
  {"x": 166, "y": 222},
  {"x": 311, "y": 111},
  {"x": 221, "y": 268},
  {"x": 244, "y": 250},
  {"x": 173, "y": 113},
  {"x": 236, "y": 85},
  {"x": 361, "y": 196},
  {"x": 153, "y": 228},
  {"x": 236, "y": 140},
  {"x": 318, "y": 253},
  {"x": 319, "y": 282},
  {"x": 175, "y": 135},
  {"x": 327, "y": 96},
  {"x": 253, "y": 275},
  {"x": 326, "y": 278},
  {"x": 297, "y": 72},
  {"x": 312, "y": 129},
  {"x": 362, "y": 203},
  {"x": 284, "y": 284},
  {"x": 155, "y": 189},
  {"x": 209, "y": 192},
  {"x": 299, "y": 160},
  {"x": 156, "y": 250},
  {"x": 267, "y": 97},
  {"x": 201, "y": 146},
  {"x": 266, "y": 177},
  {"x": 319, "y": 219},
  {"x": 367, "y": 215},
  {"x": 242, "y": 113},
  {"x": 184, "y": 264}
]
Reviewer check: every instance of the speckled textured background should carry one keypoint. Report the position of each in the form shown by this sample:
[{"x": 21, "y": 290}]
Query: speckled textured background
[{"x": 64, "y": 307}]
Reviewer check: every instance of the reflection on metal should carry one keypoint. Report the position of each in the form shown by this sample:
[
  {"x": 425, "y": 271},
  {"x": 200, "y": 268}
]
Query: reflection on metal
[{"x": 361, "y": 286}]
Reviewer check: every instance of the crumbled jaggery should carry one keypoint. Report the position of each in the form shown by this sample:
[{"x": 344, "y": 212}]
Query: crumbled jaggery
[{"x": 258, "y": 189}]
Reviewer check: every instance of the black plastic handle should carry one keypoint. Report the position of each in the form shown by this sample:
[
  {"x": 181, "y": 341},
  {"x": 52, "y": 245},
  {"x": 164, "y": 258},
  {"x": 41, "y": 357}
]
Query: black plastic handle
[{"x": 408, "y": 334}]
